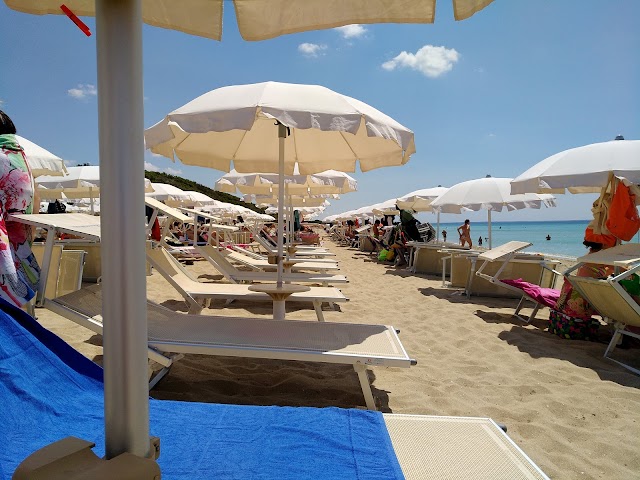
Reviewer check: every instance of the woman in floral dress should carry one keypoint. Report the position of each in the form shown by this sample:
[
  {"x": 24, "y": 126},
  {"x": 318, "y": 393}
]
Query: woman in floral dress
[{"x": 19, "y": 271}]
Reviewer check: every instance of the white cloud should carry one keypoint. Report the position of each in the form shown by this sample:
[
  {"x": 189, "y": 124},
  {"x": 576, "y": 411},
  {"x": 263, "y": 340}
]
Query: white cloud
[
  {"x": 83, "y": 91},
  {"x": 311, "y": 49},
  {"x": 491, "y": 135},
  {"x": 1, "y": 102},
  {"x": 431, "y": 61},
  {"x": 352, "y": 31},
  {"x": 154, "y": 168},
  {"x": 151, "y": 167}
]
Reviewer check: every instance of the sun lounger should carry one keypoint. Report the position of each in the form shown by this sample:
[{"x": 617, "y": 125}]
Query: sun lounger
[
  {"x": 50, "y": 384},
  {"x": 540, "y": 296},
  {"x": 608, "y": 296},
  {"x": 173, "y": 333},
  {"x": 77, "y": 224},
  {"x": 219, "y": 260},
  {"x": 261, "y": 264},
  {"x": 259, "y": 256},
  {"x": 194, "y": 291}
]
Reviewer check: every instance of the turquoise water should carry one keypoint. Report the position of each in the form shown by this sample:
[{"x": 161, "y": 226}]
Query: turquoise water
[{"x": 566, "y": 236}]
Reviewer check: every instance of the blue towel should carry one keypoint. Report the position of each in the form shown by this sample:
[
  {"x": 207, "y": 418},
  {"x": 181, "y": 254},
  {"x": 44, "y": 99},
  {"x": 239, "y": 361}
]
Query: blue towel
[{"x": 49, "y": 391}]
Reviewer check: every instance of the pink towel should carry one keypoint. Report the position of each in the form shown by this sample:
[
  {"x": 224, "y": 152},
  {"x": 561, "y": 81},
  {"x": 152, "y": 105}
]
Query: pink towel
[{"x": 546, "y": 296}]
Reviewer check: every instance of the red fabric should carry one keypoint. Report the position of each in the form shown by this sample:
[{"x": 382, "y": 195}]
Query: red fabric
[
  {"x": 155, "y": 231},
  {"x": 623, "y": 220},
  {"x": 606, "y": 241},
  {"x": 546, "y": 296}
]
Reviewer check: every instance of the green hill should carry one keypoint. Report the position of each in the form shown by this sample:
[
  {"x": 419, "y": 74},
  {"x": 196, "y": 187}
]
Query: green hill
[{"x": 190, "y": 185}]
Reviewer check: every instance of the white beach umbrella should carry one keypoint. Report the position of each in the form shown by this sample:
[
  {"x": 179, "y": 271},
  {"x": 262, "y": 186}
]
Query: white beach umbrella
[
  {"x": 420, "y": 200},
  {"x": 388, "y": 207},
  {"x": 40, "y": 160},
  {"x": 490, "y": 194},
  {"x": 74, "y": 177},
  {"x": 270, "y": 127},
  {"x": 328, "y": 182},
  {"x": 165, "y": 191},
  {"x": 583, "y": 169},
  {"x": 120, "y": 111}
]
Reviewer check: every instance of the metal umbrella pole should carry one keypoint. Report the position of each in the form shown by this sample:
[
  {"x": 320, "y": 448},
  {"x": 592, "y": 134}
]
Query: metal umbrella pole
[{"x": 124, "y": 309}]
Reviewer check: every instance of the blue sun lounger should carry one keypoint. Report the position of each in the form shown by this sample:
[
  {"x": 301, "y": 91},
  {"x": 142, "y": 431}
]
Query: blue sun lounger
[{"x": 49, "y": 391}]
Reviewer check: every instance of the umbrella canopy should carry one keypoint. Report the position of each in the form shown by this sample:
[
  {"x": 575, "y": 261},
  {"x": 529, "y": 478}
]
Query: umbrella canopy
[
  {"x": 74, "y": 178},
  {"x": 420, "y": 200},
  {"x": 487, "y": 194},
  {"x": 491, "y": 194},
  {"x": 40, "y": 160},
  {"x": 582, "y": 170},
  {"x": 236, "y": 124},
  {"x": 328, "y": 182},
  {"x": 263, "y": 19},
  {"x": 165, "y": 191},
  {"x": 294, "y": 202},
  {"x": 388, "y": 207}
]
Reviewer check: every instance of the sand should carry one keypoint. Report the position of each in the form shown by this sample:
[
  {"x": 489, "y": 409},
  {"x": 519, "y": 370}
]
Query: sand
[{"x": 574, "y": 413}]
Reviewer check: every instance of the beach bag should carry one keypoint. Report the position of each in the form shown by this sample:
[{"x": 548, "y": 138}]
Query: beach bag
[
  {"x": 572, "y": 328},
  {"x": 56, "y": 207},
  {"x": 382, "y": 256},
  {"x": 623, "y": 220}
]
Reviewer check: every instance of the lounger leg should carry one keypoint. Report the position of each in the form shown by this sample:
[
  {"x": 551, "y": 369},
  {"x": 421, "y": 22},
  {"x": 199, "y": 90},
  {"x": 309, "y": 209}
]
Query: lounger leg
[
  {"x": 159, "y": 376},
  {"x": 318, "y": 308},
  {"x": 614, "y": 342},
  {"x": 361, "y": 370}
]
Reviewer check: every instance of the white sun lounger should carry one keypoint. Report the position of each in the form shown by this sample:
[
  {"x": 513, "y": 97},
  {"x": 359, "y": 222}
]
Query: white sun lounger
[
  {"x": 194, "y": 291},
  {"x": 218, "y": 259},
  {"x": 504, "y": 254},
  {"x": 174, "y": 333},
  {"x": 262, "y": 264},
  {"x": 608, "y": 296},
  {"x": 77, "y": 224}
]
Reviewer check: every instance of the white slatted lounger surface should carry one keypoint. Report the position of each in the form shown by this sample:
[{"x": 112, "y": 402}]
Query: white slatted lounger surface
[
  {"x": 430, "y": 447},
  {"x": 174, "y": 332},
  {"x": 265, "y": 265}
]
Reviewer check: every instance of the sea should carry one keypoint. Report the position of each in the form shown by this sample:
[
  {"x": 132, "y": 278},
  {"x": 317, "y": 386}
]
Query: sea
[{"x": 565, "y": 236}]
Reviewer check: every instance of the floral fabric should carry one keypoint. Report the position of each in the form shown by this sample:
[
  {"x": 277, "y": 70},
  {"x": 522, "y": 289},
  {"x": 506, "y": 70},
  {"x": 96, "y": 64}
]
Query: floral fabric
[
  {"x": 19, "y": 271},
  {"x": 571, "y": 302}
]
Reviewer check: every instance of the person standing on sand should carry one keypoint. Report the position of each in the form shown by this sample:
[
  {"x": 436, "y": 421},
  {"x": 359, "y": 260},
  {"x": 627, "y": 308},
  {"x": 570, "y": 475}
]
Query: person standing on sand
[{"x": 464, "y": 231}]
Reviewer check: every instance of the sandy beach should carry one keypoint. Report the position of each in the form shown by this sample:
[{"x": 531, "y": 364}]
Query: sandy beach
[{"x": 574, "y": 413}]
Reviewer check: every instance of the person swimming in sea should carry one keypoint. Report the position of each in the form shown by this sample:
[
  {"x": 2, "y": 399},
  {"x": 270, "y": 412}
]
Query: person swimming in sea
[{"x": 548, "y": 237}]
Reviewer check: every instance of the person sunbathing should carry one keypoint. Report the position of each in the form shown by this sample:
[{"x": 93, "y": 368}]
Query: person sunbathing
[{"x": 570, "y": 302}]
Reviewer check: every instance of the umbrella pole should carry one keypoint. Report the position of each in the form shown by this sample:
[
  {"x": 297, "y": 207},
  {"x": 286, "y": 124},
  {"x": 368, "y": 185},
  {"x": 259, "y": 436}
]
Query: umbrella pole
[
  {"x": 438, "y": 225},
  {"x": 124, "y": 309},
  {"x": 489, "y": 218},
  {"x": 282, "y": 134}
]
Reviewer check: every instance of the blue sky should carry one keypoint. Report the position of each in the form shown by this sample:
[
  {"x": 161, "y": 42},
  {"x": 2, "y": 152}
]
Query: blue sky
[{"x": 494, "y": 94}]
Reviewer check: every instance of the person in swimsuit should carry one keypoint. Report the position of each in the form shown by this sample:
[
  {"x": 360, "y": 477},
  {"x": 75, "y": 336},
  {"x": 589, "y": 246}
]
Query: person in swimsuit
[{"x": 465, "y": 233}]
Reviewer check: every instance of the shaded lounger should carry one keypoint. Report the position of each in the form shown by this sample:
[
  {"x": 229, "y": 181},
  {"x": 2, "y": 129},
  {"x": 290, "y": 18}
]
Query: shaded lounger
[
  {"x": 50, "y": 391},
  {"x": 194, "y": 291},
  {"x": 172, "y": 333},
  {"x": 218, "y": 258},
  {"x": 261, "y": 264}
]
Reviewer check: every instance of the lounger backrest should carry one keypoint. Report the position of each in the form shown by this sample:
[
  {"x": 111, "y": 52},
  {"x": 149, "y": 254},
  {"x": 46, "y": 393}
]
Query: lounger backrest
[
  {"x": 168, "y": 266},
  {"x": 607, "y": 300},
  {"x": 215, "y": 256},
  {"x": 508, "y": 248}
]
